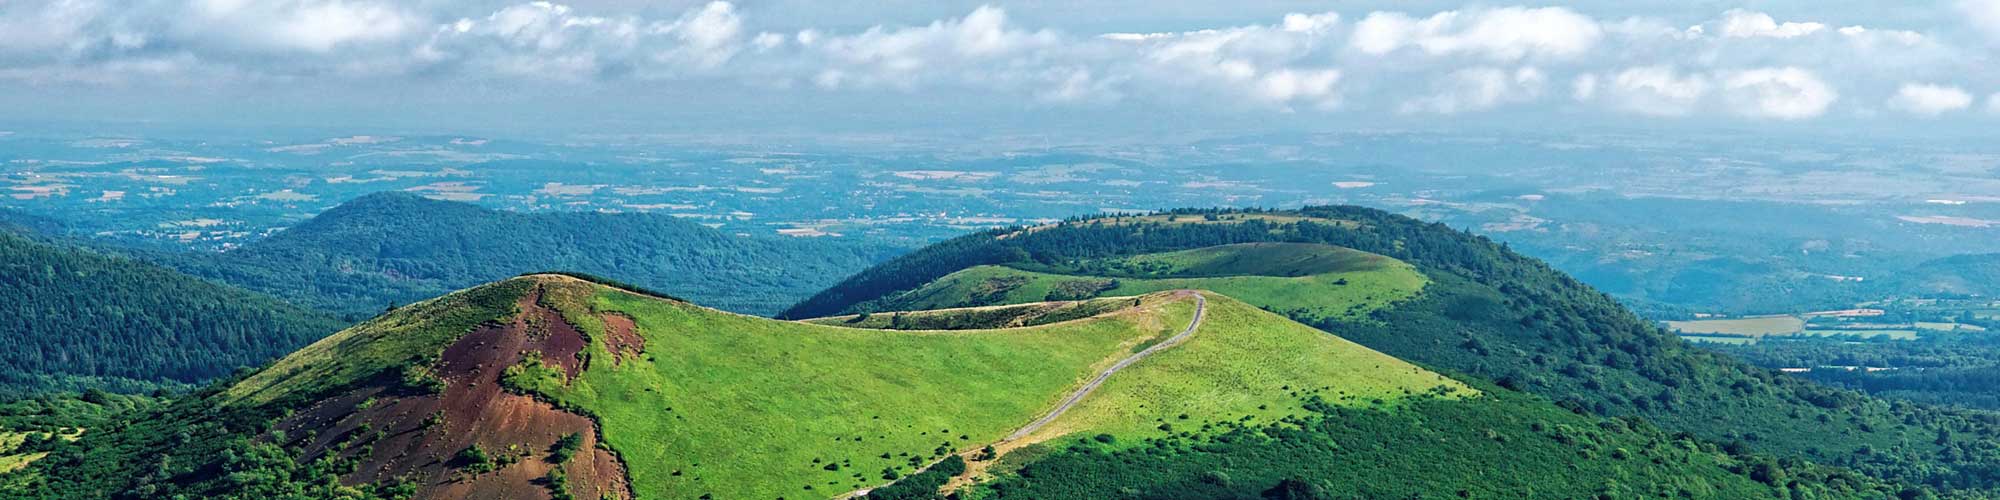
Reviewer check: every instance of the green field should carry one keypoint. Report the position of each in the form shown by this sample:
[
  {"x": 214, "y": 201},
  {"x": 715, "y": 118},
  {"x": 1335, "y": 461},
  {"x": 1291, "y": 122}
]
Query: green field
[
  {"x": 1306, "y": 281},
  {"x": 1947, "y": 327}
]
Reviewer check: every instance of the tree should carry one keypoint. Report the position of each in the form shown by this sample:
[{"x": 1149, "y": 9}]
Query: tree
[{"x": 1295, "y": 489}]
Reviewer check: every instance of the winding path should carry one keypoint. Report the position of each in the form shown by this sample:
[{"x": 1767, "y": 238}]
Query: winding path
[{"x": 1200, "y": 306}]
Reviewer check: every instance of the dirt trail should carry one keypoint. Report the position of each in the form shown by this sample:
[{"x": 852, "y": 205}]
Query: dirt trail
[{"x": 1200, "y": 306}]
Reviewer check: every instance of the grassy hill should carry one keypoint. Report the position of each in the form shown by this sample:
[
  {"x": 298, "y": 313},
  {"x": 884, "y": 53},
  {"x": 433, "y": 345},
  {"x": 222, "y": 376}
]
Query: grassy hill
[
  {"x": 72, "y": 319},
  {"x": 386, "y": 249},
  {"x": 691, "y": 401},
  {"x": 555, "y": 387},
  {"x": 1306, "y": 281},
  {"x": 1484, "y": 311}
]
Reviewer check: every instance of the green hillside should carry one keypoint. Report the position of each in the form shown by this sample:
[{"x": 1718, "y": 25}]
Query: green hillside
[
  {"x": 72, "y": 319},
  {"x": 1307, "y": 282},
  {"x": 387, "y": 249},
  {"x": 1485, "y": 311},
  {"x": 761, "y": 408},
  {"x": 697, "y": 401}
]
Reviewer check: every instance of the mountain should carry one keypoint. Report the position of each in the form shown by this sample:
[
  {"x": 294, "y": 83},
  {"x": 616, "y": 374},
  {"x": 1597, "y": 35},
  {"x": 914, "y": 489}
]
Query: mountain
[
  {"x": 1477, "y": 308},
  {"x": 72, "y": 318},
  {"x": 1959, "y": 275},
  {"x": 385, "y": 249},
  {"x": 551, "y": 386}
]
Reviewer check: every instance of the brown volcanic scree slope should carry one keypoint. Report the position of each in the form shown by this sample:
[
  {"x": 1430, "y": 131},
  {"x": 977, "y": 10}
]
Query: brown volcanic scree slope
[{"x": 418, "y": 437}]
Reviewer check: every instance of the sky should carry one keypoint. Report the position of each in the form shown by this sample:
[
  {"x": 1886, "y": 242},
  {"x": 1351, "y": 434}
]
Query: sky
[{"x": 1123, "y": 66}]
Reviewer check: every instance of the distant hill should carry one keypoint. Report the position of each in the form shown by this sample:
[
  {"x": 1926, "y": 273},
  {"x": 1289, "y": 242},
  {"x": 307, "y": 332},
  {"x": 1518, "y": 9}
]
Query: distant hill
[
  {"x": 554, "y": 387},
  {"x": 72, "y": 318},
  {"x": 386, "y": 249},
  {"x": 1483, "y": 310},
  {"x": 1959, "y": 275}
]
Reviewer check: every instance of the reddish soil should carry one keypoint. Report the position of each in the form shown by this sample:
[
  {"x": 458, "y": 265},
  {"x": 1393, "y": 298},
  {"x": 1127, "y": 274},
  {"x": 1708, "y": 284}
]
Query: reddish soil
[
  {"x": 402, "y": 440},
  {"x": 622, "y": 336}
]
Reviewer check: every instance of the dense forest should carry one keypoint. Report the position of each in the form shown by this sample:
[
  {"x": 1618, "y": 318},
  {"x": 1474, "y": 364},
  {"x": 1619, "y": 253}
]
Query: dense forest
[
  {"x": 76, "y": 318},
  {"x": 386, "y": 249},
  {"x": 1495, "y": 314}
]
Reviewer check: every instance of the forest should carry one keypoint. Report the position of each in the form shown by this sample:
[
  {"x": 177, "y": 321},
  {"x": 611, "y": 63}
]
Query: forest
[
  {"x": 74, "y": 318},
  {"x": 387, "y": 249}
]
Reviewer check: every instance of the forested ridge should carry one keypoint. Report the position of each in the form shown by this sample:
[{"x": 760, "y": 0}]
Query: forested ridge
[
  {"x": 73, "y": 318},
  {"x": 387, "y": 249},
  {"x": 1495, "y": 314}
]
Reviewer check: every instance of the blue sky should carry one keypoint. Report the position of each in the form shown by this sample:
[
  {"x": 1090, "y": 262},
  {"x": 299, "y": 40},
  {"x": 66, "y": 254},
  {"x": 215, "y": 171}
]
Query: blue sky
[{"x": 967, "y": 67}]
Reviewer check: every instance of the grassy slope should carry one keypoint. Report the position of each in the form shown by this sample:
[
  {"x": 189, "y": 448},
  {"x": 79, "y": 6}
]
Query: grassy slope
[
  {"x": 742, "y": 407},
  {"x": 1244, "y": 362},
  {"x": 1304, "y": 287}
]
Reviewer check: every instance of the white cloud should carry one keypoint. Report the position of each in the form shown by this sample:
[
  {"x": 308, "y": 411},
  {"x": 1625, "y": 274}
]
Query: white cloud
[
  {"x": 1311, "y": 23},
  {"x": 1787, "y": 93},
  {"x": 1468, "y": 60},
  {"x": 1925, "y": 99},
  {"x": 1584, "y": 87},
  {"x": 1739, "y": 23},
  {"x": 1656, "y": 90},
  {"x": 767, "y": 41},
  {"x": 1993, "y": 103},
  {"x": 1478, "y": 89},
  {"x": 980, "y": 48},
  {"x": 1504, "y": 34}
]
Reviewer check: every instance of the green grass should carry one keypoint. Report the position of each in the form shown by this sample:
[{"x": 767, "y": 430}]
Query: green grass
[
  {"x": 1310, "y": 282},
  {"x": 11, "y": 461},
  {"x": 1243, "y": 363},
  {"x": 979, "y": 317},
  {"x": 745, "y": 407}
]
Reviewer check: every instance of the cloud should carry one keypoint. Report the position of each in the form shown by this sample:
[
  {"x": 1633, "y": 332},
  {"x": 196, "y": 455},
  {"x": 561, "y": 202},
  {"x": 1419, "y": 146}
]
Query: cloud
[
  {"x": 1993, "y": 103},
  {"x": 1925, "y": 99},
  {"x": 1655, "y": 90},
  {"x": 1479, "y": 89},
  {"x": 1787, "y": 93},
  {"x": 1503, "y": 34},
  {"x": 982, "y": 43},
  {"x": 1478, "y": 59},
  {"x": 1739, "y": 23}
]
